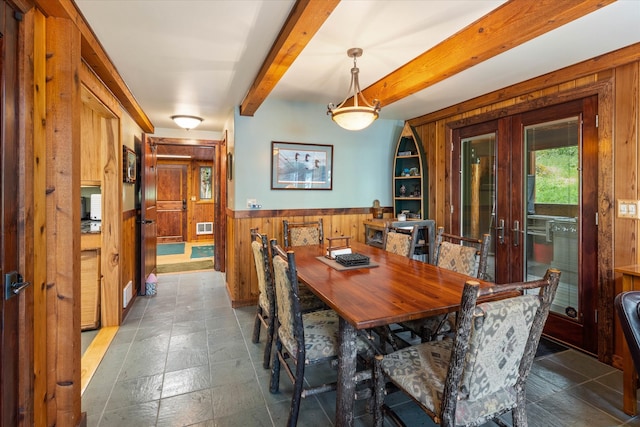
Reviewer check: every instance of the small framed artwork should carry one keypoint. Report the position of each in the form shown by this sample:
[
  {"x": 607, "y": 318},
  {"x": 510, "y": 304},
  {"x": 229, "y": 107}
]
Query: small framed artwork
[
  {"x": 128, "y": 165},
  {"x": 296, "y": 166},
  {"x": 205, "y": 182}
]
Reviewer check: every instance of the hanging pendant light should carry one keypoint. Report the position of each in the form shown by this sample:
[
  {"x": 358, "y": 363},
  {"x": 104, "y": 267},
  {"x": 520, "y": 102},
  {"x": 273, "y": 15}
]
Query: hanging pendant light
[{"x": 355, "y": 117}]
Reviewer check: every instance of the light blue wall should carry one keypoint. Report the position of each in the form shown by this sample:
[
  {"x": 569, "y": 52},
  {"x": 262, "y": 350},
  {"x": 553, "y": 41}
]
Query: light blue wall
[{"x": 362, "y": 160}]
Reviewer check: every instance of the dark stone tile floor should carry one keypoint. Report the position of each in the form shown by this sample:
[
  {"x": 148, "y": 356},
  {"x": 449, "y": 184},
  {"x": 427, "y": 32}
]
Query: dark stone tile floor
[{"x": 184, "y": 357}]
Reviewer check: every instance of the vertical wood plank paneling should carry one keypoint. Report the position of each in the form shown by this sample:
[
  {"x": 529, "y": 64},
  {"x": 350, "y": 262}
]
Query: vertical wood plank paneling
[
  {"x": 111, "y": 290},
  {"x": 40, "y": 335},
  {"x": 26, "y": 233},
  {"x": 606, "y": 210},
  {"x": 242, "y": 283},
  {"x": 63, "y": 222},
  {"x": 129, "y": 251},
  {"x": 625, "y": 176}
]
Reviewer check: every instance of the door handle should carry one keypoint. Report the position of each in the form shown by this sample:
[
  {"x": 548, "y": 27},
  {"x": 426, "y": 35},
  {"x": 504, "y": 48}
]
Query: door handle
[
  {"x": 500, "y": 231},
  {"x": 13, "y": 284},
  {"x": 516, "y": 233}
]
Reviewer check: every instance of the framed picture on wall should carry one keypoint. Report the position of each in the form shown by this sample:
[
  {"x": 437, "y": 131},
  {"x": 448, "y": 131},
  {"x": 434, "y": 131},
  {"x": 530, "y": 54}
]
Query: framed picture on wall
[
  {"x": 128, "y": 165},
  {"x": 296, "y": 166},
  {"x": 206, "y": 187}
]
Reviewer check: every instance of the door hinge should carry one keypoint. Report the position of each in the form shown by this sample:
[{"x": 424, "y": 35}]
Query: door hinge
[
  {"x": 597, "y": 219},
  {"x": 596, "y": 316},
  {"x": 597, "y": 118}
]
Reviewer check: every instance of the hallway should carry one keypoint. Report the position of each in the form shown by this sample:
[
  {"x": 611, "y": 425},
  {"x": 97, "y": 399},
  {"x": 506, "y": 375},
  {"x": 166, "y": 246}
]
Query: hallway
[{"x": 185, "y": 358}]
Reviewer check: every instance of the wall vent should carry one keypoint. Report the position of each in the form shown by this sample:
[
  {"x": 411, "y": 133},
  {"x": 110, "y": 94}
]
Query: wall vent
[
  {"x": 127, "y": 294},
  {"x": 204, "y": 228}
]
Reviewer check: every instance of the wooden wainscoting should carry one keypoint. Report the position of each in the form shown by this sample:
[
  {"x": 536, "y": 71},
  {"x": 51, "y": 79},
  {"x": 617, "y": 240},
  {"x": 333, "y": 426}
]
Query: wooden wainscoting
[{"x": 242, "y": 282}]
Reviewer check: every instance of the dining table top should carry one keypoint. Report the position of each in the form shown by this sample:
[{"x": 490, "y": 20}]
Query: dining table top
[{"x": 396, "y": 289}]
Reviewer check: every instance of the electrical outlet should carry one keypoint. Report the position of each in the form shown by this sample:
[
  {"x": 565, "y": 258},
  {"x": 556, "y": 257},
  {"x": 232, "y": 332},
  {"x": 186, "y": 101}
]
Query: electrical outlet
[{"x": 251, "y": 203}]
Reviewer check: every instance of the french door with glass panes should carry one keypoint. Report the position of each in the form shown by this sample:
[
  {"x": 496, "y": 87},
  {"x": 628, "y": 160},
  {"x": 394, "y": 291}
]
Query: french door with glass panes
[{"x": 530, "y": 181}]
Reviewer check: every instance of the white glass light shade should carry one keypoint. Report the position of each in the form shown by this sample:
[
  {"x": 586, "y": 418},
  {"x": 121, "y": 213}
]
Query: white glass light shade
[
  {"x": 187, "y": 122},
  {"x": 354, "y": 118}
]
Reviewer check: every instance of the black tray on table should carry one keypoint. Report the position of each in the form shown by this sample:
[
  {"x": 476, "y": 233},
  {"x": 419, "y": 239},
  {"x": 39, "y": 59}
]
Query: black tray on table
[{"x": 351, "y": 260}]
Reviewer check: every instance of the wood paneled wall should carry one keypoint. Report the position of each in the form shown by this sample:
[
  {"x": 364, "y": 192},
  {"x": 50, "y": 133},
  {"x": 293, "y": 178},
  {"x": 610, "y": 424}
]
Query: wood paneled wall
[
  {"x": 614, "y": 78},
  {"x": 130, "y": 249},
  {"x": 242, "y": 282}
]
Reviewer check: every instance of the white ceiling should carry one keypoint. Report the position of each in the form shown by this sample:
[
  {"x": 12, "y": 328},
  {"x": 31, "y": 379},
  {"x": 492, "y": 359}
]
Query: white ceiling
[{"x": 200, "y": 57}]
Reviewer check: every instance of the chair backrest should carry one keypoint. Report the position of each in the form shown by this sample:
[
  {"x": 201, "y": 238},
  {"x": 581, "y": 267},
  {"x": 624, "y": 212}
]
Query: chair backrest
[
  {"x": 401, "y": 241},
  {"x": 289, "y": 314},
  {"x": 302, "y": 233},
  {"x": 494, "y": 345},
  {"x": 628, "y": 307},
  {"x": 426, "y": 239},
  {"x": 260, "y": 248},
  {"x": 462, "y": 254}
]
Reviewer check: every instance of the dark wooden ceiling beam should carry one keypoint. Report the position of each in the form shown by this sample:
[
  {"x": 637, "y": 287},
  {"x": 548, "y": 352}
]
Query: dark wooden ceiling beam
[
  {"x": 97, "y": 59},
  {"x": 306, "y": 17},
  {"x": 504, "y": 28}
]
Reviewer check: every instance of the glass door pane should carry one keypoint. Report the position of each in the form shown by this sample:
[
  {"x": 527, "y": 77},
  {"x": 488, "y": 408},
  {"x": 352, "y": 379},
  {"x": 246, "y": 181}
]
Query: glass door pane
[
  {"x": 552, "y": 189},
  {"x": 478, "y": 191}
]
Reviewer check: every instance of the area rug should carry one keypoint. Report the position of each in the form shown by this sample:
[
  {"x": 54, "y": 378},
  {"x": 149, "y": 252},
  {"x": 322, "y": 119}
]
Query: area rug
[
  {"x": 180, "y": 267},
  {"x": 170, "y": 248},
  {"x": 202, "y": 251}
]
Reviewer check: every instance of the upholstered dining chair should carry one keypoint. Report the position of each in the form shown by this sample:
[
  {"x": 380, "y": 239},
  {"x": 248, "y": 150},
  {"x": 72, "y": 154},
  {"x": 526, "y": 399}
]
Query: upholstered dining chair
[
  {"x": 302, "y": 233},
  {"x": 426, "y": 239},
  {"x": 302, "y": 338},
  {"x": 400, "y": 240},
  {"x": 461, "y": 254},
  {"x": 265, "y": 309},
  {"x": 481, "y": 372},
  {"x": 627, "y": 306}
]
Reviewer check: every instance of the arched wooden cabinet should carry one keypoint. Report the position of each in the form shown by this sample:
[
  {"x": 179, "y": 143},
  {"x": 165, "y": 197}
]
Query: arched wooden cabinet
[{"x": 409, "y": 177}]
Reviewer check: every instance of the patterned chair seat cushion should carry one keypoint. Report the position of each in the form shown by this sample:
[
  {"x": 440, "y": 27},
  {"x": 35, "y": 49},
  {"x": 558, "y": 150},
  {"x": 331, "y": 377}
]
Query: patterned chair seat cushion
[
  {"x": 308, "y": 300},
  {"x": 421, "y": 370},
  {"x": 320, "y": 337},
  {"x": 458, "y": 258}
]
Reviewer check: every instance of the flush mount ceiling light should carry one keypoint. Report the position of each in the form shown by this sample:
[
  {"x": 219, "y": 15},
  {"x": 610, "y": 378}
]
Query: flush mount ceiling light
[
  {"x": 356, "y": 116},
  {"x": 187, "y": 122}
]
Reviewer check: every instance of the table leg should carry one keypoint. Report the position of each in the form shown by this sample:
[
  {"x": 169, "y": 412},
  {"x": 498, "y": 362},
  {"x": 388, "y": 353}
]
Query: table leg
[
  {"x": 629, "y": 375},
  {"x": 346, "y": 388}
]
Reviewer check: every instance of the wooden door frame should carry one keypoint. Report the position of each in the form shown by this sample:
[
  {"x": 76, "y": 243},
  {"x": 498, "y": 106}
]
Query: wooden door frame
[
  {"x": 509, "y": 127},
  {"x": 220, "y": 190}
]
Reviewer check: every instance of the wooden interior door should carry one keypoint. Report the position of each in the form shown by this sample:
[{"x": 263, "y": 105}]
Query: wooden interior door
[
  {"x": 16, "y": 331},
  {"x": 172, "y": 202},
  {"x": 148, "y": 211}
]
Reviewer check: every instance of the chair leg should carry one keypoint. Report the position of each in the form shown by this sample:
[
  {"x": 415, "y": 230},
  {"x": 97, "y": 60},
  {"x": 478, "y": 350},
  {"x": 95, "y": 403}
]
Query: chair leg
[
  {"x": 378, "y": 391},
  {"x": 274, "y": 383},
  {"x": 266, "y": 362},
  {"x": 256, "y": 326},
  {"x": 298, "y": 385}
]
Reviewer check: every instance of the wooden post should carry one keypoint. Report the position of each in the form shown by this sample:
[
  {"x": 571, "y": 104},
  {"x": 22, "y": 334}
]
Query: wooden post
[{"x": 63, "y": 221}]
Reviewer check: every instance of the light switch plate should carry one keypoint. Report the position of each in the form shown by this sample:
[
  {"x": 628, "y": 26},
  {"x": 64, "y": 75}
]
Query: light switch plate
[{"x": 628, "y": 208}]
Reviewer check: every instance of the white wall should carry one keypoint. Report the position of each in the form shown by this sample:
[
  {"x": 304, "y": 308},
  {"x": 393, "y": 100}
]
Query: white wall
[{"x": 362, "y": 160}]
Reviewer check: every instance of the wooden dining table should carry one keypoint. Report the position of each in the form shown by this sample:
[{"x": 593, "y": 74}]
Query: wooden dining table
[{"x": 391, "y": 289}]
